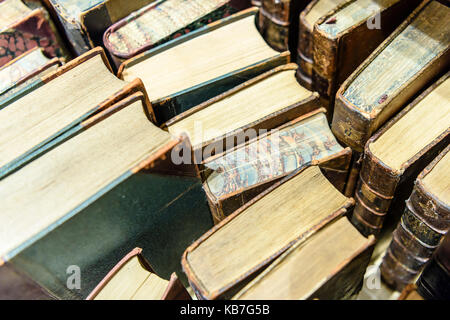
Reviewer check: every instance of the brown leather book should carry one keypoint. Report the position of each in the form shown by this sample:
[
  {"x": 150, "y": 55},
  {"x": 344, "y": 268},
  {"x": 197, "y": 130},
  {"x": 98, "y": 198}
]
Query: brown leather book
[
  {"x": 224, "y": 259},
  {"x": 235, "y": 177},
  {"x": 346, "y": 36},
  {"x": 328, "y": 266},
  {"x": 398, "y": 152},
  {"x": 133, "y": 278},
  {"x": 424, "y": 223},
  {"x": 414, "y": 55},
  {"x": 278, "y": 22}
]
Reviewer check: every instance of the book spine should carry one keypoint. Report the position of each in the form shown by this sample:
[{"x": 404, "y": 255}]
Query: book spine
[{"x": 304, "y": 57}]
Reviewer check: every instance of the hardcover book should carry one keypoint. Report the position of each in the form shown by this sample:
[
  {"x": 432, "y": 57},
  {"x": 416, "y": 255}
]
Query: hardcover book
[
  {"x": 23, "y": 28},
  {"x": 255, "y": 106},
  {"x": 159, "y": 22},
  {"x": 424, "y": 223},
  {"x": 110, "y": 186},
  {"x": 21, "y": 72},
  {"x": 223, "y": 260},
  {"x": 398, "y": 152},
  {"x": 328, "y": 266},
  {"x": 346, "y": 36},
  {"x": 278, "y": 22},
  {"x": 202, "y": 64},
  {"x": 416, "y": 53},
  {"x": 308, "y": 18},
  {"x": 237, "y": 176},
  {"x": 85, "y": 21},
  {"x": 134, "y": 279},
  {"x": 57, "y": 104}
]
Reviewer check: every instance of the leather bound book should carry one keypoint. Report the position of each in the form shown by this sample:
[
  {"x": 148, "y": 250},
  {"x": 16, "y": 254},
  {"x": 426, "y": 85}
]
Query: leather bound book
[
  {"x": 398, "y": 152},
  {"x": 278, "y": 22},
  {"x": 160, "y": 22},
  {"x": 58, "y": 103},
  {"x": 434, "y": 282},
  {"x": 424, "y": 223},
  {"x": 330, "y": 265},
  {"x": 225, "y": 258},
  {"x": 24, "y": 27},
  {"x": 109, "y": 186},
  {"x": 251, "y": 108},
  {"x": 202, "y": 64},
  {"x": 414, "y": 55},
  {"x": 237, "y": 176},
  {"x": 134, "y": 279},
  {"x": 305, "y": 55},
  {"x": 346, "y": 36},
  {"x": 85, "y": 21},
  {"x": 21, "y": 72}
]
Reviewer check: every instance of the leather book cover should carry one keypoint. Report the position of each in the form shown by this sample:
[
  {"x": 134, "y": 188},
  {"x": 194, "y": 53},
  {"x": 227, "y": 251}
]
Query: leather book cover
[
  {"x": 423, "y": 225},
  {"x": 357, "y": 117},
  {"x": 174, "y": 291},
  {"x": 235, "y": 177},
  {"x": 378, "y": 187}
]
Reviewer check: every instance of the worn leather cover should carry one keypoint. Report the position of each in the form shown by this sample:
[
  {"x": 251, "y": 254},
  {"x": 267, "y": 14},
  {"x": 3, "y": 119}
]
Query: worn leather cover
[
  {"x": 170, "y": 106},
  {"x": 174, "y": 291},
  {"x": 278, "y": 22},
  {"x": 379, "y": 186},
  {"x": 238, "y": 189},
  {"x": 137, "y": 209},
  {"x": 336, "y": 57},
  {"x": 354, "y": 127},
  {"x": 424, "y": 223}
]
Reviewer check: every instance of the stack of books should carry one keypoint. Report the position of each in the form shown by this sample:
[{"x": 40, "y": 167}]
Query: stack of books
[{"x": 170, "y": 149}]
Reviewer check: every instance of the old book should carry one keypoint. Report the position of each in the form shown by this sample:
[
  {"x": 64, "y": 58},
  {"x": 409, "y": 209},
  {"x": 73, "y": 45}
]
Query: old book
[
  {"x": 278, "y": 22},
  {"x": 251, "y": 108},
  {"x": 22, "y": 71},
  {"x": 398, "y": 152},
  {"x": 223, "y": 260},
  {"x": 434, "y": 282},
  {"x": 110, "y": 186},
  {"x": 415, "y": 54},
  {"x": 237, "y": 176},
  {"x": 424, "y": 223},
  {"x": 308, "y": 18},
  {"x": 330, "y": 265},
  {"x": 57, "y": 104},
  {"x": 23, "y": 28},
  {"x": 160, "y": 22},
  {"x": 346, "y": 36},
  {"x": 85, "y": 21},
  {"x": 134, "y": 279},
  {"x": 202, "y": 64}
]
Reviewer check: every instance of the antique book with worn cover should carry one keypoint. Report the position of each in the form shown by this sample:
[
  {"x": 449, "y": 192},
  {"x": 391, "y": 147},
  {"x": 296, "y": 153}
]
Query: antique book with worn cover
[
  {"x": 330, "y": 265},
  {"x": 109, "y": 186},
  {"x": 346, "y": 36},
  {"x": 424, "y": 223},
  {"x": 21, "y": 72},
  {"x": 415, "y": 54},
  {"x": 202, "y": 64},
  {"x": 308, "y": 18},
  {"x": 434, "y": 282},
  {"x": 85, "y": 21},
  {"x": 161, "y": 21},
  {"x": 278, "y": 22},
  {"x": 398, "y": 152},
  {"x": 133, "y": 278},
  {"x": 24, "y": 27},
  {"x": 253, "y": 107},
  {"x": 57, "y": 104},
  {"x": 237, "y": 176},
  {"x": 224, "y": 259}
]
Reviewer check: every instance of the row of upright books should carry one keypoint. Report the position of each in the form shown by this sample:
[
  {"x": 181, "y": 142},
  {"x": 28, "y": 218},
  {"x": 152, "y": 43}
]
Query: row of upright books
[{"x": 190, "y": 155}]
